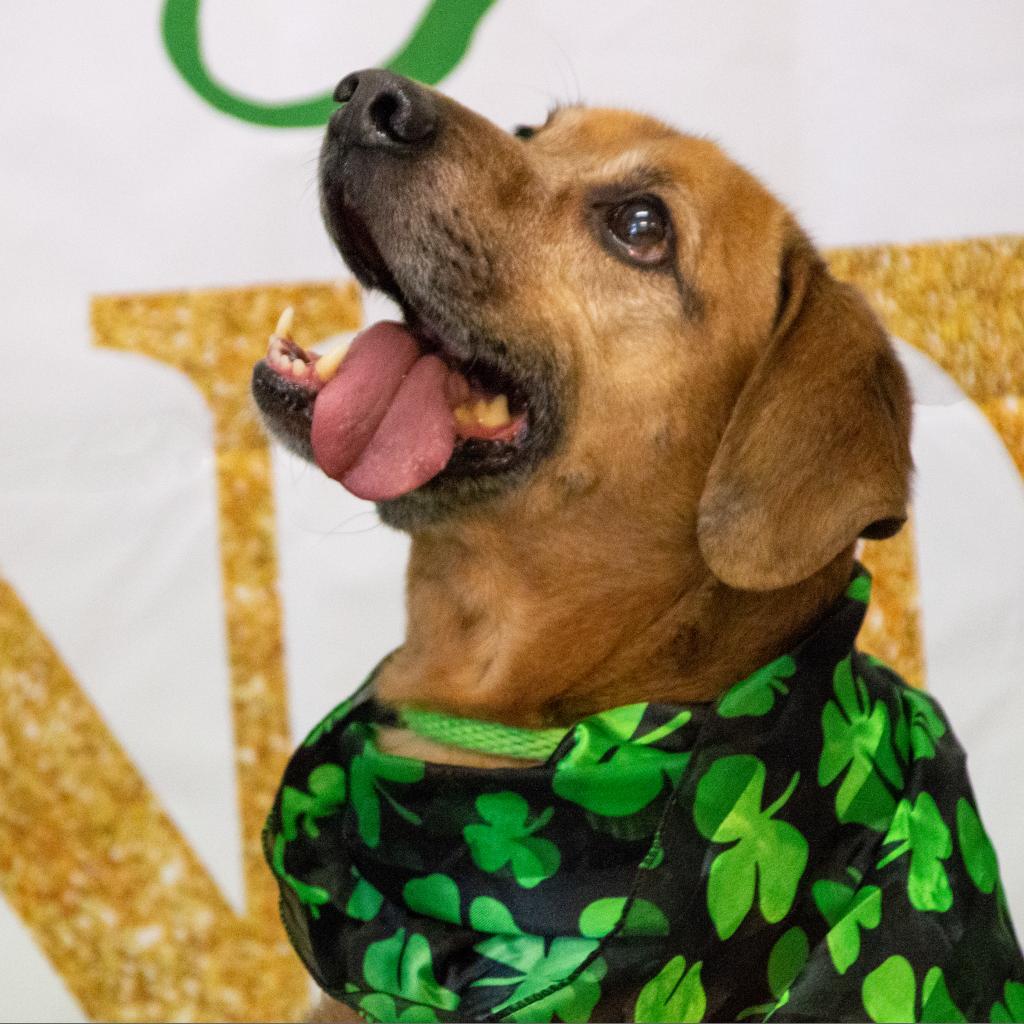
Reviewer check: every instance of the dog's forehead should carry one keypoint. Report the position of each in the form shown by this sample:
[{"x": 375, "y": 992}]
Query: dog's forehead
[
  {"x": 613, "y": 145},
  {"x": 603, "y": 130}
]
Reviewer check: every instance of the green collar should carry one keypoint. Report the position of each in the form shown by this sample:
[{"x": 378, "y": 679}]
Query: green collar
[{"x": 485, "y": 737}]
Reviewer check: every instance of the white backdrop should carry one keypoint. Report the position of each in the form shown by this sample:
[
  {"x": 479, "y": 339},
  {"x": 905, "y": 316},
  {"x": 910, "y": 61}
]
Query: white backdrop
[{"x": 875, "y": 121}]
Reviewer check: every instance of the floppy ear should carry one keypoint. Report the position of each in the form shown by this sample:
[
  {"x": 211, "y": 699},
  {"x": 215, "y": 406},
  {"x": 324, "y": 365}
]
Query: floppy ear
[{"x": 817, "y": 451}]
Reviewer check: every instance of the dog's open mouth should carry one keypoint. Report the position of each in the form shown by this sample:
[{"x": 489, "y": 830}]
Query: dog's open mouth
[
  {"x": 397, "y": 408},
  {"x": 429, "y": 405}
]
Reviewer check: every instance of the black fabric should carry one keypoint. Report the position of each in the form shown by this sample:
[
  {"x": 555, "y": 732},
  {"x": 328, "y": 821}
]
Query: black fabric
[{"x": 805, "y": 848}]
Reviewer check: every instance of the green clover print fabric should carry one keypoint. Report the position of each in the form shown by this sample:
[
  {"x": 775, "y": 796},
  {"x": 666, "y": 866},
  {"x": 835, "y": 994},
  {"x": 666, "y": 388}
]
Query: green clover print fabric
[{"x": 805, "y": 848}]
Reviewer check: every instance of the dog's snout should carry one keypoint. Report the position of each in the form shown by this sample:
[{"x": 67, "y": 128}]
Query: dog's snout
[{"x": 385, "y": 111}]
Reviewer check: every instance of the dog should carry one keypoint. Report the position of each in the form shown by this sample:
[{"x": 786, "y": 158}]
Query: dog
[{"x": 635, "y": 430}]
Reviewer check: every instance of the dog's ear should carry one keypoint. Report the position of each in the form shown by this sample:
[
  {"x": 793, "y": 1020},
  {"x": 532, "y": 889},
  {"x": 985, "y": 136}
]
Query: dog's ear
[{"x": 817, "y": 450}]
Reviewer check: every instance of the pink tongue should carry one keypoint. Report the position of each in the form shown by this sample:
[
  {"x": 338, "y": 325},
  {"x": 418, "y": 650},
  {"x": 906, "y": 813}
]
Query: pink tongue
[{"x": 383, "y": 426}]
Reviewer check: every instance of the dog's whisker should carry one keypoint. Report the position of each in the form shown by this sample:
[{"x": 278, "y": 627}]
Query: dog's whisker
[
  {"x": 342, "y": 530},
  {"x": 567, "y": 63}
]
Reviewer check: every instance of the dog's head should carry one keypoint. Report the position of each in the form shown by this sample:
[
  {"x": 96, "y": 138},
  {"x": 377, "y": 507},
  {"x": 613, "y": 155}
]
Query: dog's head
[{"x": 671, "y": 348}]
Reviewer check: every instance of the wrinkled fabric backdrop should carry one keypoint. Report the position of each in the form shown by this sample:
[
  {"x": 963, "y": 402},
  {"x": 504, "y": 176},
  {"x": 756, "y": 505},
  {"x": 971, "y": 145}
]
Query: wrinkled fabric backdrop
[{"x": 178, "y": 601}]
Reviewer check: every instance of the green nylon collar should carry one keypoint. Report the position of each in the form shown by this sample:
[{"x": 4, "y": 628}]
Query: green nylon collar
[{"x": 484, "y": 737}]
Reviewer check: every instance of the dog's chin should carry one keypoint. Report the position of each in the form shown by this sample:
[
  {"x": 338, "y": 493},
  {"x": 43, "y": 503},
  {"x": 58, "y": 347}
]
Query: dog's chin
[
  {"x": 444, "y": 500},
  {"x": 480, "y": 468}
]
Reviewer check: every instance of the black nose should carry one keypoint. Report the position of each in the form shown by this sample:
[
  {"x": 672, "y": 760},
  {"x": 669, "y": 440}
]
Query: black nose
[{"x": 385, "y": 111}]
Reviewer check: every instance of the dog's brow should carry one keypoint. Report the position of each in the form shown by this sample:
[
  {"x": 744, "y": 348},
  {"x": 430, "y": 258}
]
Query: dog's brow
[
  {"x": 629, "y": 182},
  {"x": 630, "y": 164}
]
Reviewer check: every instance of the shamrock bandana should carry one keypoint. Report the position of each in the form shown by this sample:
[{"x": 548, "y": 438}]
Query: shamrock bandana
[{"x": 805, "y": 848}]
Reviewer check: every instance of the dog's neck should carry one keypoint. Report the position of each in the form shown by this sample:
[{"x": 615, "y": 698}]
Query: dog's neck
[{"x": 505, "y": 627}]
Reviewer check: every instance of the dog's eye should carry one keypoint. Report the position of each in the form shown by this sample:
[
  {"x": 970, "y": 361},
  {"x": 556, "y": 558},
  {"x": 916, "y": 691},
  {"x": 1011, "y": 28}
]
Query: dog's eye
[
  {"x": 640, "y": 230},
  {"x": 524, "y": 131}
]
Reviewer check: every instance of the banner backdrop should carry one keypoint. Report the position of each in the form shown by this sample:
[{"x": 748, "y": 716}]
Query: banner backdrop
[{"x": 179, "y": 601}]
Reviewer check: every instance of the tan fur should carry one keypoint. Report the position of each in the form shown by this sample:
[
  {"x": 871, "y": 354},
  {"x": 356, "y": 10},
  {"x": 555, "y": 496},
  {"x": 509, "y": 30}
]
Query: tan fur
[{"x": 717, "y": 468}]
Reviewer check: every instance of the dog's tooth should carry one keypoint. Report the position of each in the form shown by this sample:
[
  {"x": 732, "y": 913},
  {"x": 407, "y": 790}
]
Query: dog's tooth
[
  {"x": 327, "y": 365},
  {"x": 493, "y": 413},
  {"x": 284, "y": 322},
  {"x": 464, "y": 414},
  {"x": 299, "y": 368}
]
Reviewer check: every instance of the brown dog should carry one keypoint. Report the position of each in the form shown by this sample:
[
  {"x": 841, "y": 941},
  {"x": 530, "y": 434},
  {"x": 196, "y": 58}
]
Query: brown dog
[
  {"x": 701, "y": 421},
  {"x": 712, "y": 420}
]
